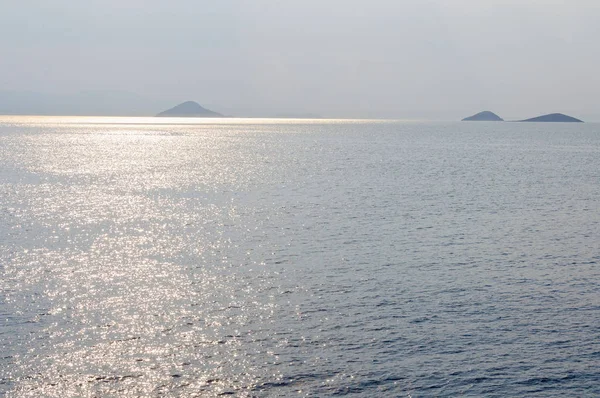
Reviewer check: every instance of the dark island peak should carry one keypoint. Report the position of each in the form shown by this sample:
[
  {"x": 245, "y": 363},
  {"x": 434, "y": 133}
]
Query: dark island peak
[
  {"x": 485, "y": 116},
  {"x": 189, "y": 109},
  {"x": 555, "y": 118}
]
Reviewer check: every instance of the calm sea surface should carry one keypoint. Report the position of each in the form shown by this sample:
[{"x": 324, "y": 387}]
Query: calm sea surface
[{"x": 265, "y": 258}]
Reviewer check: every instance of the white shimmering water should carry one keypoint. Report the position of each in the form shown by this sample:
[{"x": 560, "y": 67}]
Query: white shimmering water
[{"x": 298, "y": 258}]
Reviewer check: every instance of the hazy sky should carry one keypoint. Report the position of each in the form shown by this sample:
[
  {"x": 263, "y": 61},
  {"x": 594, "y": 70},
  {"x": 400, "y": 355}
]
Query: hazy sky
[{"x": 380, "y": 58}]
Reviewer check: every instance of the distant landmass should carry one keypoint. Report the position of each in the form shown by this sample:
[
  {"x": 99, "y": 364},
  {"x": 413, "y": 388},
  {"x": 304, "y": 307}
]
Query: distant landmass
[
  {"x": 189, "y": 109},
  {"x": 555, "y": 118},
  {"x": 485, "y": 116}
]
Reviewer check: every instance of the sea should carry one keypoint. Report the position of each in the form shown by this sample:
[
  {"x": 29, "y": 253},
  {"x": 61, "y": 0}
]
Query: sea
[{"x": 313, "y": 258}]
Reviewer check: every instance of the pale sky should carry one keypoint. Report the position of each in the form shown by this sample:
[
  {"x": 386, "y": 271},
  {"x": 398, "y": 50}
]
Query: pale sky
[{"x": 438, "y": 59}]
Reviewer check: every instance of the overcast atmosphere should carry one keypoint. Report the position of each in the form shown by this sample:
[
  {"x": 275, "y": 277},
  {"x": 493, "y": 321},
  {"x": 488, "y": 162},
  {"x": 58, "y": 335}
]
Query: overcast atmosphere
[{"x": 436, "y": 59}]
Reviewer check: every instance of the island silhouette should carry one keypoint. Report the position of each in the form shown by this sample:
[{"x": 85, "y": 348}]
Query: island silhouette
[
  {"x": 189, "y": 109},
  {"x": 554, "y": 118},
  {"x": 487, "y": 116}
]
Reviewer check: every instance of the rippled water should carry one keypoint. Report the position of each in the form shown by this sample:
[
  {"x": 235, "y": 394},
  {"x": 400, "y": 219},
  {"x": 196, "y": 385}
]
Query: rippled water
[{"x": 295, "y": 258}]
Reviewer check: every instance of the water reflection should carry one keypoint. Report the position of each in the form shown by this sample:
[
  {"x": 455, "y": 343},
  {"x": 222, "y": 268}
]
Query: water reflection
[{"x": 260, "y": 258}]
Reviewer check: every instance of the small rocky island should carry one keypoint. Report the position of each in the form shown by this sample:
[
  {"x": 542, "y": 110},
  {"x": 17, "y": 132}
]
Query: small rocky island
[
  {"x": 485, "y": 116},
  {"x": 189, "y": 109},
  {"x": 555, "y": 118}
]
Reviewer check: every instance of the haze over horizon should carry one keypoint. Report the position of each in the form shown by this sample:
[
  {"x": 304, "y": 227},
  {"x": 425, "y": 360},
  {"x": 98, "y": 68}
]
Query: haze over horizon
[{"x": 430, "y": 59}]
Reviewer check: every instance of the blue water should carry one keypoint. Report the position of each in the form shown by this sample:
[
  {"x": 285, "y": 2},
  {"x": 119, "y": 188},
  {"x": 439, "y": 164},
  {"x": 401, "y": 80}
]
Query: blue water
[{"x": 265, "y": 258}]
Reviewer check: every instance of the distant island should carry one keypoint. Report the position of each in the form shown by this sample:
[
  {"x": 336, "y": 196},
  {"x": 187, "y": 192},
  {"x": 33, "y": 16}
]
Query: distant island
[
  {"x": 485, "y": 116},
  {"x": 554, "y": 118},
  {"x": 189, "y": 109}
]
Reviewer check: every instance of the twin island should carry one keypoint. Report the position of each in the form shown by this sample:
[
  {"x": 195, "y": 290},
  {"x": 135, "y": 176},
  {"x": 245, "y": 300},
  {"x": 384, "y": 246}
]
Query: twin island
[{"x": 487, "y": 116}]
